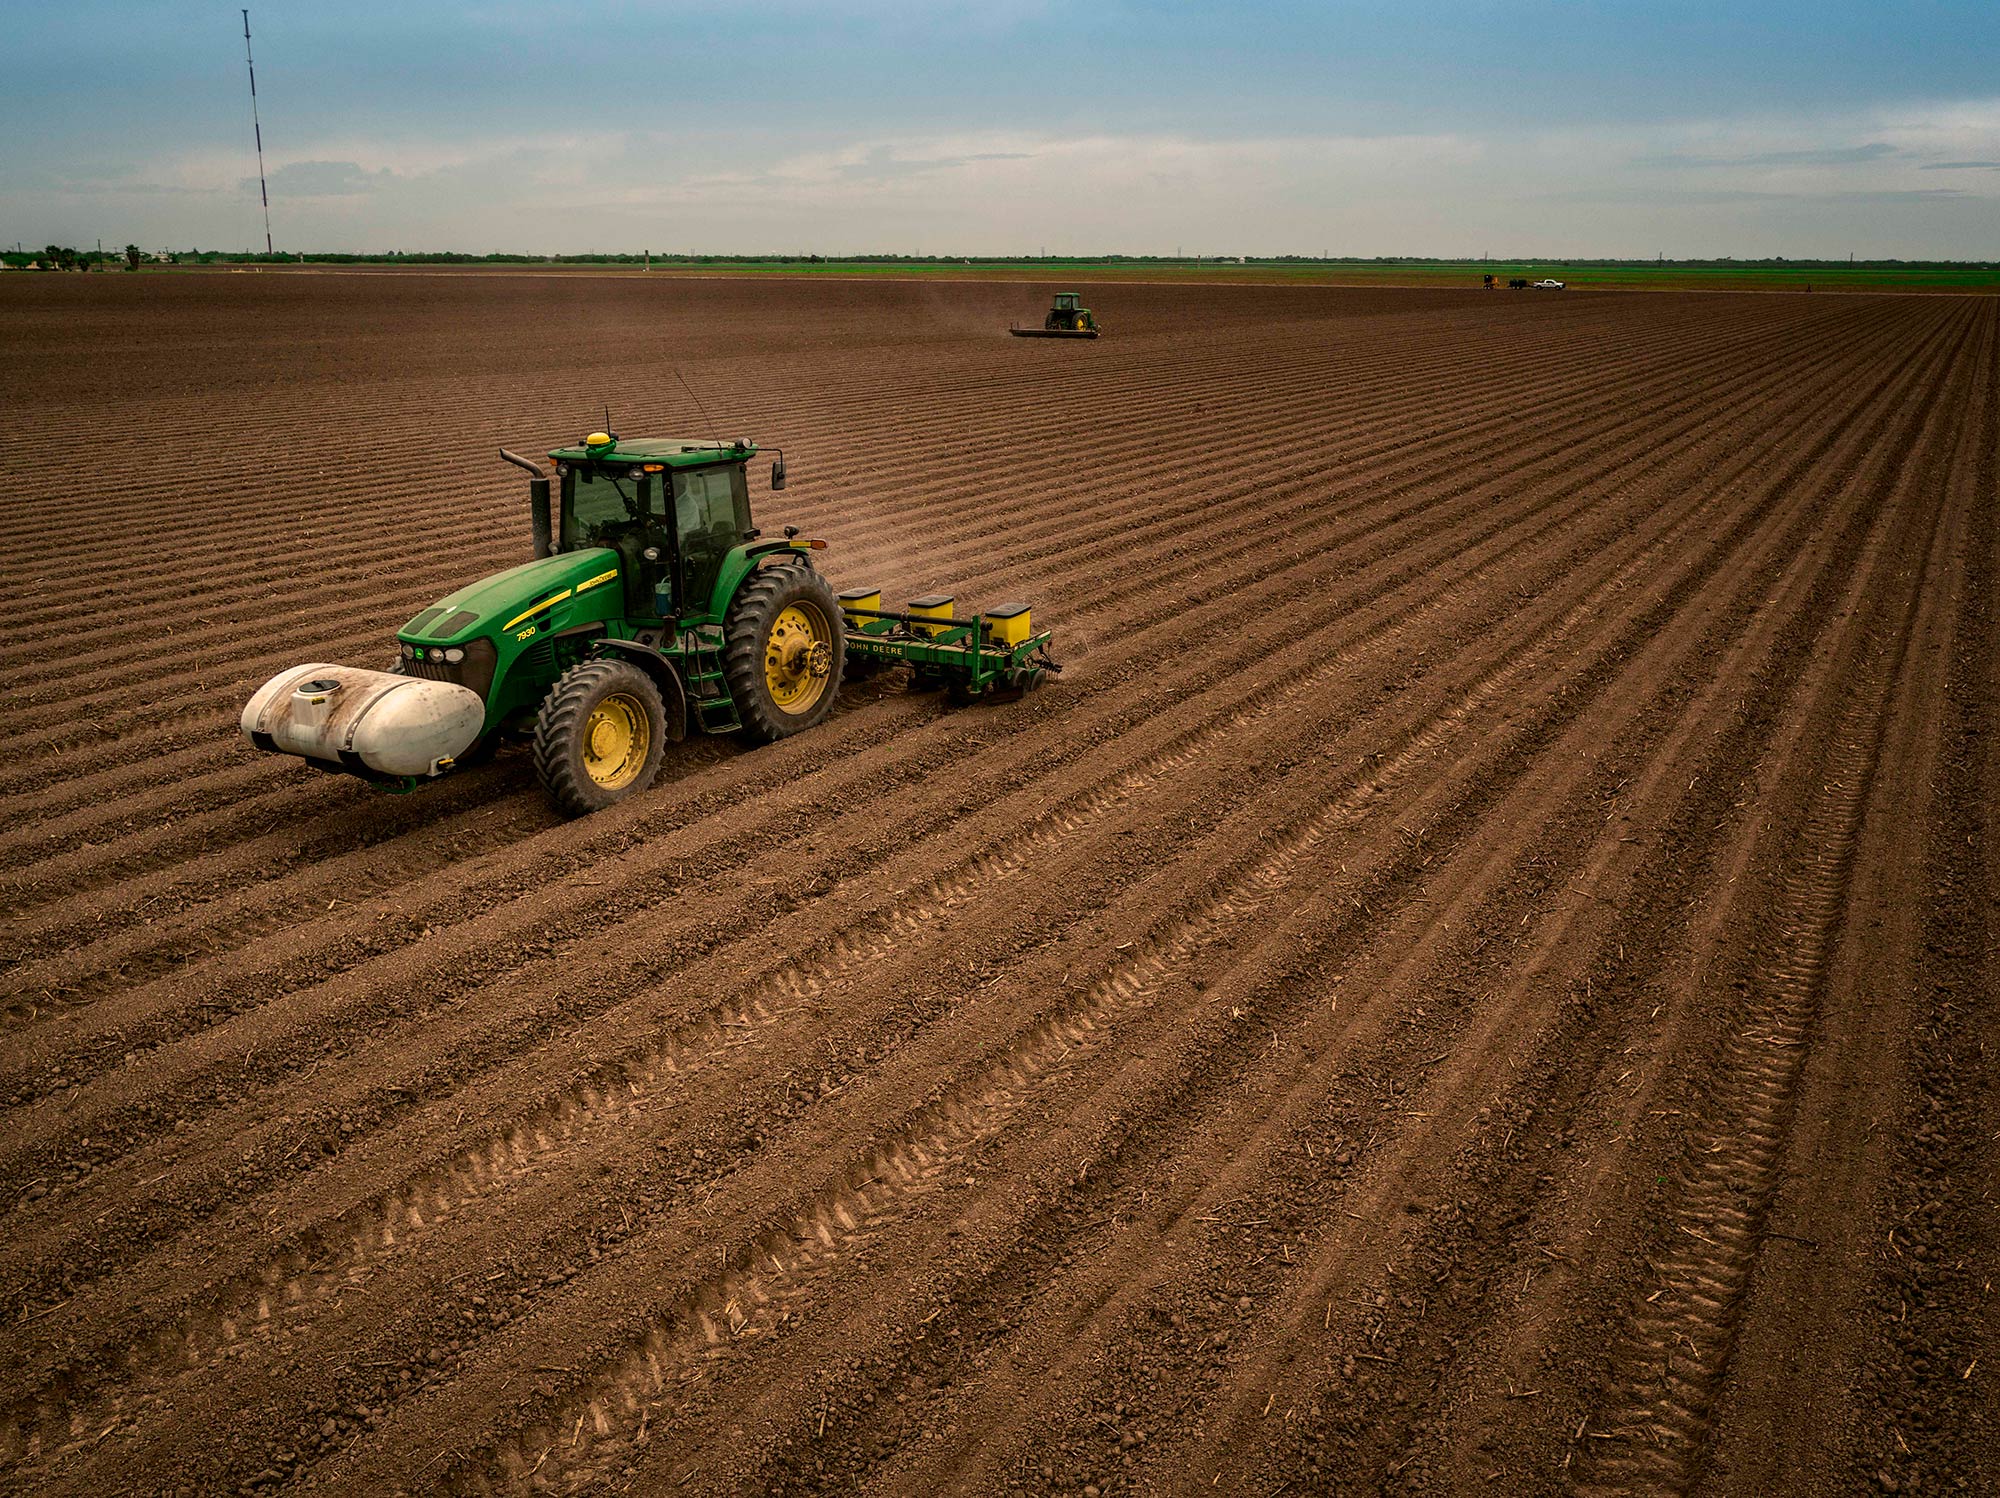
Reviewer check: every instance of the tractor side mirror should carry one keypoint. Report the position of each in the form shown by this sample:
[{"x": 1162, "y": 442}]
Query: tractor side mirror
[{"x": 778, "y": 474}]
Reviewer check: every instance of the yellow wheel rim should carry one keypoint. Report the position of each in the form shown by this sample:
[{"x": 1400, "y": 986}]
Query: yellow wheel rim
[
  {"x": 798, "y": 658},
  {"x": 617, "y": 736}
]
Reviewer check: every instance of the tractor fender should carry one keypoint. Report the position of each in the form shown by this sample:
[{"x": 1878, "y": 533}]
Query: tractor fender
[
  {"x": 746, "y": 559},
  {"x": 764, "y": 549},
  {"x": 666, "y": 676}
]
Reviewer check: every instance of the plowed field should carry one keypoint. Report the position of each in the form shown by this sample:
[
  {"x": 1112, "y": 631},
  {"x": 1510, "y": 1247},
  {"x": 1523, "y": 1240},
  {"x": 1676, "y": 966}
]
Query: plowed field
[{"x": 1479, "y": 977}]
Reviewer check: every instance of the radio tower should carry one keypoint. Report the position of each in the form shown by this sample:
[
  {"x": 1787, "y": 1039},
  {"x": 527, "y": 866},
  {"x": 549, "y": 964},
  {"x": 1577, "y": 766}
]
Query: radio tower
[{"x": 257, "y": 125}]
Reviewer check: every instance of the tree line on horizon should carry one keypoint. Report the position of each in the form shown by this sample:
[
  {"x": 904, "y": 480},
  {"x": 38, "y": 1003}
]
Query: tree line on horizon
[{"x": 58, "y": 257}]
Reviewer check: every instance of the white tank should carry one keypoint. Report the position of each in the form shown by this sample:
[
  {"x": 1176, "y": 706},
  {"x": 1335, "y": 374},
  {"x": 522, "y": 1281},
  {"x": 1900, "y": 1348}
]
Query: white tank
[{"x": 349, "y": 718}]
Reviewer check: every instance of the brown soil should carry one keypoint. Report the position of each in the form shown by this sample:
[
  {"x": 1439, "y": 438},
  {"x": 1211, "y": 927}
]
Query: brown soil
[{"x": 1479, "y": 978}]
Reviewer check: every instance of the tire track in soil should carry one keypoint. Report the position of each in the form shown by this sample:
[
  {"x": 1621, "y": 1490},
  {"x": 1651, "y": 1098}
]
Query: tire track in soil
[
  {"x": 1769, "y": 1425},
  {"x": 1655, "y": 1430},
  {"x": 1653, "y": 1426},
  {"x": 1709, "y": 817},
  {"x": 1926, "y": 1409}
]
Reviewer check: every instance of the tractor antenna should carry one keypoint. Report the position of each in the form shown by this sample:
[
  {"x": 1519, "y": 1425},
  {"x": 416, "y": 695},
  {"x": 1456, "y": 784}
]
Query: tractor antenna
[
  {"x": 714, "y": 431},
  {"x": 257, "y": 125},
  {"x": 607, "y": 417}
]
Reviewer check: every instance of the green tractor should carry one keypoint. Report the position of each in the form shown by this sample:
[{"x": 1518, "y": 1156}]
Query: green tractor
[
  {"x": 652, "y": 608},
  {"x": 1068, "y": 318}
]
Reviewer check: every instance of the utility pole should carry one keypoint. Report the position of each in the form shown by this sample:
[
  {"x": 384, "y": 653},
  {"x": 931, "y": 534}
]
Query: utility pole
[{"x": 258, "y": 126}]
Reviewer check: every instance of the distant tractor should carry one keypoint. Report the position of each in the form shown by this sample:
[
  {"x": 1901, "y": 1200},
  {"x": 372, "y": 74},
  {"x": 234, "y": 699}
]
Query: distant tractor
[
  {"x": 1068, "y": 318},
  {"x": 651, "y": 608}
]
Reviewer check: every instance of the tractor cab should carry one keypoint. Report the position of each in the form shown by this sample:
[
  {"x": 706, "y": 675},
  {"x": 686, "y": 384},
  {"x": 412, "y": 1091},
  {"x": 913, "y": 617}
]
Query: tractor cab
[
  {"x": 672, "y": 510},
  {"x": 1069, "y": 315}
]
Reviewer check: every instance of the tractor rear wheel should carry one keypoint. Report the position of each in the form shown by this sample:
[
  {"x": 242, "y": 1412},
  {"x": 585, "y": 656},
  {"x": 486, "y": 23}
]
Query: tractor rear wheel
[
  {"x": 599, "y": 735},
  {"x": 783, "y": 651}
]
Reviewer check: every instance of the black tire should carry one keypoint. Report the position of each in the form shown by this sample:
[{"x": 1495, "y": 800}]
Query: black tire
[
  {"x": 578, "y": 754},
  {"x": 752, "y": 661}
]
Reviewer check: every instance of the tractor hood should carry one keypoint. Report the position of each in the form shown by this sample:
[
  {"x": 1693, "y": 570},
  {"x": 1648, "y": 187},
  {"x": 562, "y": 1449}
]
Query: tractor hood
[{"x": 519, "y": 597}]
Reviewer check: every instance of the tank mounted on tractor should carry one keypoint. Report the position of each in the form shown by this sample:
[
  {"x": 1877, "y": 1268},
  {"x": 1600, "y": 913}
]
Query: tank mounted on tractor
[
  {"x": 652, "y": 608},
  {"x": 1068, "y": 318}
]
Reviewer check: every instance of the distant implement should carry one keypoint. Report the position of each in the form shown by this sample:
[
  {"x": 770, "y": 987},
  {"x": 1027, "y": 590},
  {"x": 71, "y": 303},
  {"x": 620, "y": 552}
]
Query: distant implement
[{"x": 1068, "y": 318}]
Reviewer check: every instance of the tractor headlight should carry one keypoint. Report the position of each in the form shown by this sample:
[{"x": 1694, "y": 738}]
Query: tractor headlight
[
  {"x": 436, "y": 654},
  {"x": 454, "y": 656}
]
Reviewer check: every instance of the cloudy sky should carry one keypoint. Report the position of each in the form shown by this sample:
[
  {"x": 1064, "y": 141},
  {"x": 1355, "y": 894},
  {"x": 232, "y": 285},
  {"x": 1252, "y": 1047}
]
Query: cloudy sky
[{"x": 1405, "y": 127}]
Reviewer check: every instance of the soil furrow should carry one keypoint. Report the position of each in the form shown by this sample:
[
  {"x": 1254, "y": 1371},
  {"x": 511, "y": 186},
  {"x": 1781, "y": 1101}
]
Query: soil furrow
[
  {"x": 1523, "y": 791},
  {"x": 1169, "y": 523},
  {"x": 1001, "y": 1093},
  {"x": 1153, "y": 1229}
]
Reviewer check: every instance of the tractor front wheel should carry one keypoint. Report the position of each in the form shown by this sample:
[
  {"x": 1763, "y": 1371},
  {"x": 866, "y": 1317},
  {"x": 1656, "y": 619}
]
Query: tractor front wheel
[
  {"x": 599, "y": 735},
  {"x": 784, "y": 651}
]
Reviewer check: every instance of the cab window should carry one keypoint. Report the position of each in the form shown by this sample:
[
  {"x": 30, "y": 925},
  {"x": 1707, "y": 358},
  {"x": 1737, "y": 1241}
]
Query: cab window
[
  {"x": 604, "y": 503},
  {"x": 705, "y": 504},
  {"x": 711, "y": 512}
]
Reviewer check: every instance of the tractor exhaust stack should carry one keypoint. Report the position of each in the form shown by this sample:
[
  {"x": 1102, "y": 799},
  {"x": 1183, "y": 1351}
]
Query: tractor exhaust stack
[{"x": 539, "y": 515}]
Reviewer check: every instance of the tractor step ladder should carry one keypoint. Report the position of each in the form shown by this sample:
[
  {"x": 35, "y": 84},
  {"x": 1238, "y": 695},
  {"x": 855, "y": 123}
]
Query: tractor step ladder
[{"x": 708, "y": 686}]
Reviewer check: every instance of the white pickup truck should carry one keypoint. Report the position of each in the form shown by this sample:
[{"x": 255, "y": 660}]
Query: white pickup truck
[{"x": 1546, "y": 286}]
